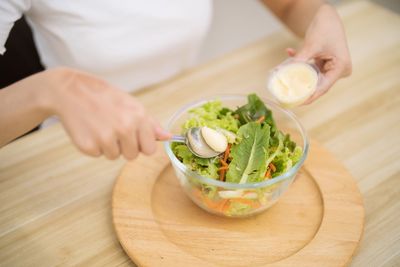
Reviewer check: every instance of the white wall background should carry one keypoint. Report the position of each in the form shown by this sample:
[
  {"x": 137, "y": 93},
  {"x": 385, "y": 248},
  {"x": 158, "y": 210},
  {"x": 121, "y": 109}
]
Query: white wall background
[{"x": 237, "y": 23}]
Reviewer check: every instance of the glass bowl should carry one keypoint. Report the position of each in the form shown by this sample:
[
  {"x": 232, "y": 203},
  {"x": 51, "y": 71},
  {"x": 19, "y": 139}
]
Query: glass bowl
[{"x": 232, "y": 199}]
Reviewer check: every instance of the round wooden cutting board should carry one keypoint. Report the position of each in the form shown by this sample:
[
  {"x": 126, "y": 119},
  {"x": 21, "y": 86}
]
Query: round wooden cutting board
[{"x": 317, "y": 222}]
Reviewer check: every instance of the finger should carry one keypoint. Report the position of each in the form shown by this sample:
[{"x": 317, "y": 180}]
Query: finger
[
  {"x": 83, "y": 140},
  {"x": 314, "y": 97},
  {"x": 291, "y": 52},
  {"x": 111, "y": 150},
  {"x": 160, "y": 133},
  {"x": 89, "y": 147},
  {"x": 109, "y": 145},
  {"x": 306, "y": 53},
  {"x": 129, "y": 144},
  {"x": 330, "y": 77},
  {"x": 147, "y": 139},
  {"x": 303, "y": 55},
  {"x": 327, "y": 81}
]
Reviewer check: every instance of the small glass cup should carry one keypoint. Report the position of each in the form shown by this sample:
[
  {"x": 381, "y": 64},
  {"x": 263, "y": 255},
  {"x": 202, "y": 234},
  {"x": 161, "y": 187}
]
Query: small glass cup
[
  {"x": 232, "y": 199},
  {"x": 289, "y": 61}
]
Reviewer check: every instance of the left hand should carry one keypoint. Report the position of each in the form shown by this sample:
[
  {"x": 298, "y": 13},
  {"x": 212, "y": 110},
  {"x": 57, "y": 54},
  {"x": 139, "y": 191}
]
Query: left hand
[{"x": 325, "y": 43}]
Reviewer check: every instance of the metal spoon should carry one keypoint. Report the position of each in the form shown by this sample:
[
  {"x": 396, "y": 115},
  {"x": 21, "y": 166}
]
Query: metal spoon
[{"x": 196, "y": 143}]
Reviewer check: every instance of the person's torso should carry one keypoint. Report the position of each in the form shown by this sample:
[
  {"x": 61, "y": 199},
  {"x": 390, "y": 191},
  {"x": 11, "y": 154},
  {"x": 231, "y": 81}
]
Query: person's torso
[{"x": 130, "y": 43}]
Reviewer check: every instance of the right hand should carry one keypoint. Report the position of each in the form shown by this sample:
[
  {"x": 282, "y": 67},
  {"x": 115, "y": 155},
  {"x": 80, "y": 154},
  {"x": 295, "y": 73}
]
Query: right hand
[
  {"x": 100, "y": 118},
  {"x": 330, "y": 52}
]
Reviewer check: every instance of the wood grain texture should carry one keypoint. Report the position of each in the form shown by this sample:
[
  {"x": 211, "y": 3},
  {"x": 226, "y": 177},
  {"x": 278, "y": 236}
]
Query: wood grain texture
[
  {"x": 318, "y": 222},
  {"x": 55, "y": 203}
]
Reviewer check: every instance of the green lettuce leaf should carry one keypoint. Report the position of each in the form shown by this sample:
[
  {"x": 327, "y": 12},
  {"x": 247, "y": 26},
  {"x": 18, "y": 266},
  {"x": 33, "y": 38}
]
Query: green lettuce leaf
[
  {"x": 204, "y": 167},
  {"x": 250, "y": 154},
  {"x": 286, "y": 155},
  {"x": 296, "y": 154},
  {"x": 253, "y": 110},
  {"x": 212, "y": 115},
  {"x": 209, "y": 191},
  {"x": 237, "y": 209},
  {"x": 282, "y": 162},
  {"x": 276, "y": 144}
]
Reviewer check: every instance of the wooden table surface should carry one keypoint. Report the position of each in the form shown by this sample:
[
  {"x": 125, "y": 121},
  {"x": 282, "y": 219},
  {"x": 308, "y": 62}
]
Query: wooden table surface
[{"x": 55, "y": 202}]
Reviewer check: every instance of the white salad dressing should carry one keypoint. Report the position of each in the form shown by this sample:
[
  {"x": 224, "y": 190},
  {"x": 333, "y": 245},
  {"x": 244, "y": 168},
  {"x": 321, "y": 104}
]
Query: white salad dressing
[{"x": 293, "y": 83}]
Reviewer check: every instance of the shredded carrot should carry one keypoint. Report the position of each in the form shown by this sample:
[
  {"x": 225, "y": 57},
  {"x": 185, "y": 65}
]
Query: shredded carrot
[
  {"x": 222, "y": 175},
  {"x": 272, "y": 166},
  {"x": 222, "y": 170},
  {"x": 223, "y": 163},
  {"x": 227, "y": 151},
  {"x": 225, "y": 206},
  {"x": 261, "y": 119},
  {"x": 216, "y": 205}
]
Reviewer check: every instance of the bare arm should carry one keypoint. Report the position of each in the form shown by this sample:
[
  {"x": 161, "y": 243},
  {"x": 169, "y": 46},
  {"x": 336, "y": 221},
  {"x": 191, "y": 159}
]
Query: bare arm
[
  {"x": 295, "y": 14},
  {"x": 23, "y": 105},
  {"x": 324, "y": 38},
  {"x": 99, "y": 118}
]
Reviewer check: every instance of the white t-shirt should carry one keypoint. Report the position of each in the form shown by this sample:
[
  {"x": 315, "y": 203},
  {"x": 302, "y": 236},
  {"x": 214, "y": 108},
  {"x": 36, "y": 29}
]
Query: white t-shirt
[{"x": 130, "y": 43}]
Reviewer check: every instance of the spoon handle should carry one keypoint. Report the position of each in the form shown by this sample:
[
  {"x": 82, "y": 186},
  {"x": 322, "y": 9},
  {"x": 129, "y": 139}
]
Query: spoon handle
[{"x": 178, "y": 139}]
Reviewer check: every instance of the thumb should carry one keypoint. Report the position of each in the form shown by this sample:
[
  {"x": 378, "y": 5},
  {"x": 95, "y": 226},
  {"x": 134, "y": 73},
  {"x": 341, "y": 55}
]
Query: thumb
[
  {"x": 160, "y": 133},
  {"x": 291, "y": 52},
  {"x": 305, "y": 54},
  {"x": 327, "y": 81}
]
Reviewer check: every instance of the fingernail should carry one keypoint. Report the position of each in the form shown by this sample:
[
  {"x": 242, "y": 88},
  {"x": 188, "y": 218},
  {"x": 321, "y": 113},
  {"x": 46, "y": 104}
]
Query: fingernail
[{"x": 163, "y": 134}]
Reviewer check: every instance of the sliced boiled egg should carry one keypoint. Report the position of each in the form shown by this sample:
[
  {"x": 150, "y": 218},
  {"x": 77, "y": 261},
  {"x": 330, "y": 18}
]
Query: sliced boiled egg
[{"x": 214, "y": 139}]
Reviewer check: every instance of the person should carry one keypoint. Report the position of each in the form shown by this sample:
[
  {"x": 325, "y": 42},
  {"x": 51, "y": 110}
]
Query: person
[{"x": 94, "y": 52}]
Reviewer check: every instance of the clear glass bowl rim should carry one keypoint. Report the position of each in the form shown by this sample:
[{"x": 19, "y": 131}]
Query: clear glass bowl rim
[{"x": 176, "y": 162}]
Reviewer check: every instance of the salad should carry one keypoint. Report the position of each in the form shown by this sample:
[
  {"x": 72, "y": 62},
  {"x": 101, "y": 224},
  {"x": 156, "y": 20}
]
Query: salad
[{"x": 257, "y": 151}]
